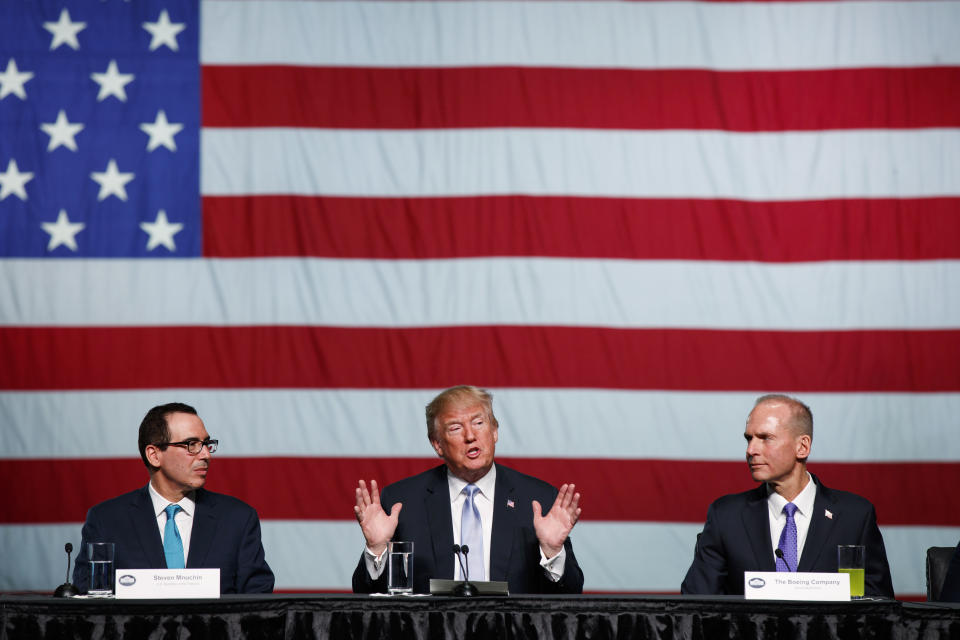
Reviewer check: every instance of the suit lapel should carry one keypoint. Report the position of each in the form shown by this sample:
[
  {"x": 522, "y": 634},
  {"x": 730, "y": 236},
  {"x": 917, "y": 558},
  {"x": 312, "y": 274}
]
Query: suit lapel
[
  {"x": 756, "y": 523},
  {"x": 204, "y": 529},
  {"x": 144, "y": 523},
  {"x": 820, "y": 528},
  {"x": 437, "y": 507},
  {"x": 504, "y": 524}
]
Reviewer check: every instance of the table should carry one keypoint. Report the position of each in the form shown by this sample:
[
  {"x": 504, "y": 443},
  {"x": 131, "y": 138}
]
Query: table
[{"x": 567, "y": 617}]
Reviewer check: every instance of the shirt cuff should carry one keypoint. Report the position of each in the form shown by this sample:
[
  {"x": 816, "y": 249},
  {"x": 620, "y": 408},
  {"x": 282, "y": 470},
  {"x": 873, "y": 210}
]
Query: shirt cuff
[
  {"x": 554, "y": 566},
  {"x": 375, "y": 564}
]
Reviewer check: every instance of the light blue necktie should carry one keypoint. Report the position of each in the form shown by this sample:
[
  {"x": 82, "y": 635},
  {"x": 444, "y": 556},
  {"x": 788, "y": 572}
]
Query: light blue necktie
[
  {"x": 471, "y": 533},
  {"x": 788, "y": 541},
  {"x": 172, "y": 544}
]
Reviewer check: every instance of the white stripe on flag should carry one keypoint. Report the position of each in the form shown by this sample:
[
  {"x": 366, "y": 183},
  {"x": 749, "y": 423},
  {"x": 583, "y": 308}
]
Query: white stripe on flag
[
  {"x": 652, "y": 164},
  {"x": 504, "y": 291},
  {"x": 711, "y": 35},
  {"x": 535, "y": 423}
]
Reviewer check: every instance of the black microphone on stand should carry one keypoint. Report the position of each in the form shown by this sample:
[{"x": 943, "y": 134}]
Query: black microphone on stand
[
  {"x": 779, "y": 554},
  {"x": 66, "y": 590},
  {"x": 464, "y": 589}
]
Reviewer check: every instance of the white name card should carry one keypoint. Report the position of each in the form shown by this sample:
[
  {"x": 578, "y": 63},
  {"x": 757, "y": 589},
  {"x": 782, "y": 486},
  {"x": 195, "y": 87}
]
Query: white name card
[
  {"x": 773, "y": 585},
  {"x": 168, "y": 583}
]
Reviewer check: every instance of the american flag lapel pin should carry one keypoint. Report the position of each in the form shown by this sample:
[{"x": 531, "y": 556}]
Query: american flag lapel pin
[
  {"x": 828, "y": 513},
  {"x": 509, "y": 503}
]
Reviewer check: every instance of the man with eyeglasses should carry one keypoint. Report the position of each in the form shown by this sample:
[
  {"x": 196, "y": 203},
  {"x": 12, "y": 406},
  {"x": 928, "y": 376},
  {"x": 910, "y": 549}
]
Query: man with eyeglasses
[{"x": 173, "y": 522}]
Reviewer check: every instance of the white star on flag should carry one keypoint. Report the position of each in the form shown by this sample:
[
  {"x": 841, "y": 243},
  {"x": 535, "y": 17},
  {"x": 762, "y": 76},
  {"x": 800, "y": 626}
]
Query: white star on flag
[
  {"x": 12, "y": 81},
  {"x": 112, "y": 82},
  {"x": 61, "y": 132},
  {"x": 13, "y": 181},
  {"x": 161, "y": 132},
  {"x": 112, "y": 182},
  {"x": 161, "y": 231},
  {"x": 64, "y": 31},
  {"x": 164, "y": 32},
  {"x": 62, "y": 232}
]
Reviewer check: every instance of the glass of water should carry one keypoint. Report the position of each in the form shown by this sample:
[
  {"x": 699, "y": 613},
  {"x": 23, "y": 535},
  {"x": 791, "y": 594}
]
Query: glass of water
[
  {"x": 400, "y": 568},
  {"x": 100, "y": 555}
]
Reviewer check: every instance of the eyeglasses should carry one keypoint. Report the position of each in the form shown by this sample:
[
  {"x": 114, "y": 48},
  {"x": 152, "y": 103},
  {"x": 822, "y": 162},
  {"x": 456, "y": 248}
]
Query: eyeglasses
[{"x": 192, "y": 445}]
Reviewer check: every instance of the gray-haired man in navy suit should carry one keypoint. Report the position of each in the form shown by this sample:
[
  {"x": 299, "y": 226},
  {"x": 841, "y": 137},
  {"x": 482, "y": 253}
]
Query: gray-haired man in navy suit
[{"x": 791, "y": 522}]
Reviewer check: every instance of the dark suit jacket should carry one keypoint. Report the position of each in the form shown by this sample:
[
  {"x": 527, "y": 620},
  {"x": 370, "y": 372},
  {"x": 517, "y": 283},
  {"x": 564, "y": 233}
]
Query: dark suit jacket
[
  {"x": 950, "y": 592},
  {"x": 514, "y": 554},
  {"x": 736, "y": 538},
  {"x": 225, "y": 536}
]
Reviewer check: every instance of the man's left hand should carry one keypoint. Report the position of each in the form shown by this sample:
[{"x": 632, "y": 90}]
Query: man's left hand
[{"x": 552, "y": 529}]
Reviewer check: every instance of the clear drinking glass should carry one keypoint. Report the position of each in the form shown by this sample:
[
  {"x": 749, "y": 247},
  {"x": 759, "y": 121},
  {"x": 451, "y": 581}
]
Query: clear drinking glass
[
  {"x": 850, "y": 559},
  {"x": 400, "y": 568},
  {"x": 100, "y": 555}
]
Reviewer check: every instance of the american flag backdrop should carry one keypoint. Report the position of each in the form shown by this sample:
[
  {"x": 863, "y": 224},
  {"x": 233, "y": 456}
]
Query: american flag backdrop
[{"x": 626, "y": 219}]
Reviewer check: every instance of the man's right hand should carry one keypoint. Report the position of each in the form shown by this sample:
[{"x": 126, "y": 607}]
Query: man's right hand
[{"x": 378, "y": 527}]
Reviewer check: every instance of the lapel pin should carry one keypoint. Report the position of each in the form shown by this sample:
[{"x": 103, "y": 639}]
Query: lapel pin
[
  {"x": 828, "y": 513},
  {"x": 510, "y": 503}
]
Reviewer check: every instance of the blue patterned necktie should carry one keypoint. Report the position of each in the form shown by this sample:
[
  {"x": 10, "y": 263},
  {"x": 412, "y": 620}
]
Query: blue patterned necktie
[
  {"x": 172, "y": 544},
  {"x": 788, "y": 541},
  {"x": 471, "y": 533}
]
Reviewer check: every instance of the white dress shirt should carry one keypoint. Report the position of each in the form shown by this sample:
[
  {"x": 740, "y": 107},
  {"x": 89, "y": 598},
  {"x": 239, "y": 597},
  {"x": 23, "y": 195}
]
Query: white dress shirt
[
  {"x": 484, "y": 500},
  {"x": 802, "y": 516},
  {"x": 183, "y": 519}
]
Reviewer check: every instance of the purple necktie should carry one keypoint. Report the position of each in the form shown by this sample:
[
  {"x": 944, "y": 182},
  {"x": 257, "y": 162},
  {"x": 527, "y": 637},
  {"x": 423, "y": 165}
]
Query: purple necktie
[{"x": 788, "y": 541}]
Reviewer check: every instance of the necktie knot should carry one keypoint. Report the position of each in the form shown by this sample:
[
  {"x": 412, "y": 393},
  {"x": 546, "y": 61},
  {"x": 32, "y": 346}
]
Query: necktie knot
[
  {"x": 790, "y": 509},
  {"x": 172, "y": 510},
  {"x": 471, "y": 490}
]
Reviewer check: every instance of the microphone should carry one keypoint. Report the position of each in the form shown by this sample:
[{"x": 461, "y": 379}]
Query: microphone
[
  {"x": 66, "y": 590},
  {"x": 463, "y": 570},
  {"x": 465, "y": 589},
  {"x": 779, "y": 554}
]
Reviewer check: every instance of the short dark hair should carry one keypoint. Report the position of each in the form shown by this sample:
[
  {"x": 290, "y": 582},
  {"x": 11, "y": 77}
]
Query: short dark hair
[
  {"x": 801, "y": 417},
  {"x": 154, "y": 429},
  {"x": 458, "y": 396}
]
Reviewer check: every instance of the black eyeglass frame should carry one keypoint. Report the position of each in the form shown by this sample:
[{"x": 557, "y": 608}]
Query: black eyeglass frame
[{"x": 190, "y": 443}]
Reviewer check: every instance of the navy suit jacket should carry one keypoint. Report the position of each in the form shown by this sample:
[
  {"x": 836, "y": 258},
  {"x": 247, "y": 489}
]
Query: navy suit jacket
[
  {"x": 225, "y": 536},
  {"x": 950, "y": 592},
  {"x": 426, "y": 520},
  {"x": 736, "y": 538}
]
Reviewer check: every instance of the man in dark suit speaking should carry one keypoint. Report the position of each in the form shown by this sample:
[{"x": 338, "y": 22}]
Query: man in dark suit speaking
[
  {"x": 791, "y": 522},
  {"x": 496, "y": 511},
  {"x": 174, "y": 522}
]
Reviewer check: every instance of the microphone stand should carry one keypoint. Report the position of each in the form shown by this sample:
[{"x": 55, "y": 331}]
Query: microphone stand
[
  {"x": 465, "y": 589},
  {"x": 66, "y": 590}
]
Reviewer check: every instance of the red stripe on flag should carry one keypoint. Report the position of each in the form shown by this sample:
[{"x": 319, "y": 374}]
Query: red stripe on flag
[
  {"x": 581, "y": 227},
  {"x": 388, "y": 98},
  {"x": 612, "y": 490},
  {"x": 500, "y": 356}
]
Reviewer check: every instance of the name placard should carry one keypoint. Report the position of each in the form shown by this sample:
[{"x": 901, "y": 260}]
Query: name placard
[
  {"x": 773, "y": 585},
  {"x": 167, "y": 583}
]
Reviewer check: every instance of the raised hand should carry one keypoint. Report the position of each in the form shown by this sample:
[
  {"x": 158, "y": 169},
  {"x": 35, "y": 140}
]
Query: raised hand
[
  {"x": 378, "y": 527},
  {"x": 553, "y": 528}
]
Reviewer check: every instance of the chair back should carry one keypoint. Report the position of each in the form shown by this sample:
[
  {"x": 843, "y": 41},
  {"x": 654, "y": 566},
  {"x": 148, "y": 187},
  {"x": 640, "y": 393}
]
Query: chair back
[{"x": 938, "y": 561}]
